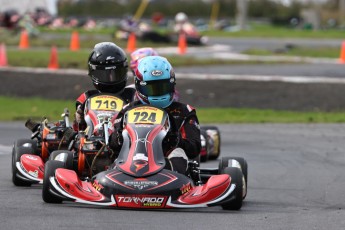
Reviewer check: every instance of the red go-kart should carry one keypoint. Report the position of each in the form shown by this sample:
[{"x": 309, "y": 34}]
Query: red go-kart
[
  {"x": 29, "y": 156},
  {"x": 139, "y": 179}
]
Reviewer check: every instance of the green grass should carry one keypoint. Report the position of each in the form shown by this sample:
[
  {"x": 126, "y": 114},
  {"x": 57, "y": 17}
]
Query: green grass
[
  {"x": 36, "y": 108},
  {"x": 20, "y": 109},
  {"x": 78, "y": 59},
  {"x": 40, "y": 58},
  {"x": 269, "y": 31},
  {"x": 316, "y": 52},
  {"x": 232, "y": 115}
]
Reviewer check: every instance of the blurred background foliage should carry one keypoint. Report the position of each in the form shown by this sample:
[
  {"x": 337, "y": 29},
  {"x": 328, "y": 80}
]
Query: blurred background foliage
[{"x": 273, "y": 11}]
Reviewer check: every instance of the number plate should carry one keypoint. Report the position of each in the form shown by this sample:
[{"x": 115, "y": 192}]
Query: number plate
[
  {"x": 105, "y": 102},
  {"x": 145, "y": 115}
]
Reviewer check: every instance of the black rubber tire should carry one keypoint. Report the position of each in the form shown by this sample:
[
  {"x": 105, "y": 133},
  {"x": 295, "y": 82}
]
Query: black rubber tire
[
  {"x": 17, "y": 151},
  {"x": 21, "y": 142},
  {"x": 209, "y": 127},
  {"x": 68, "y": 162},
  {"x": 205, "y": 158},
  {"x": 49, "y": 171},
  {"x": 223, "y": 163},
  {"x": 236, "y": 178}
]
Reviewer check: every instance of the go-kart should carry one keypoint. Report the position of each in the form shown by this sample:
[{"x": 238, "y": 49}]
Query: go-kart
[
  {"x": 100, "y": 113},
  {"x": 210, "y": 143},
  {"x": 139, "y": 179},
  {"x": 144, "y": 32},
  {"x": 46, "y": 137}
]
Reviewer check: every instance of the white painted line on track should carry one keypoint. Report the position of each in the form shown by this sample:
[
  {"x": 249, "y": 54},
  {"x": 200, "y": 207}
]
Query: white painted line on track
[{"x": 4, "y": 150}]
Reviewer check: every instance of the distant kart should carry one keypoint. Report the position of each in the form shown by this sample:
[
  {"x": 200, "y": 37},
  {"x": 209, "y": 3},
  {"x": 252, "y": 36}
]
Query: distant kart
[
  {"x": 89, "y": 147},
  {"x": 146, "y": 33},
  {"x": 138, "y": 179},
  {"x": 210, "y": 143}
]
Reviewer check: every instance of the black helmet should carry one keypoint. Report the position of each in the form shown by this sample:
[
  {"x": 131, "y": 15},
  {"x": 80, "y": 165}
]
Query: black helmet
[{"x": 108, "y": 67}]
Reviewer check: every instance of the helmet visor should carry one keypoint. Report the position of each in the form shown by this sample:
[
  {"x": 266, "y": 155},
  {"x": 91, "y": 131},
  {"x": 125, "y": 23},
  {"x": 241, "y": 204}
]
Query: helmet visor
[
  {"x": 109, "y": 75},
  {"x": 155, "y": 88}
]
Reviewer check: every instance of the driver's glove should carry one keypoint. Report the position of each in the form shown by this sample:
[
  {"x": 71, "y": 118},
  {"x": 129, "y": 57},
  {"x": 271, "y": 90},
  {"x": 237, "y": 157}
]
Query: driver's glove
[
  {"x": 79, "y": 115},
  {"x": 69, "y": 134},
  {"x": 171, "y": 141},
  {"x": 115, "y": 141}
]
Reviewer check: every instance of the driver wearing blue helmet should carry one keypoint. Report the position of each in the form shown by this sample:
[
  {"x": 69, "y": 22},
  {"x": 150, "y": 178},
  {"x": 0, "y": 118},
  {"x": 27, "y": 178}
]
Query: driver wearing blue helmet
[{"x": 155, "y": 85}]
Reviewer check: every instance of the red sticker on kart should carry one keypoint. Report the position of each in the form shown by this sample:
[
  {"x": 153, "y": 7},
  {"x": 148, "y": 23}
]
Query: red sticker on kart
[{"x": 106, "y": 102}]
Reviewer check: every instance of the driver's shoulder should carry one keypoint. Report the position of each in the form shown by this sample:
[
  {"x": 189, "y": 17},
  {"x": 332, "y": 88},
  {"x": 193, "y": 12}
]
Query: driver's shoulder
[{"x": 179, "y": 107}]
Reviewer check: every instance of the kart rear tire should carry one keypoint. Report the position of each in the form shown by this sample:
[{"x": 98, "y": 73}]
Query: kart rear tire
[
  {"x": 205, "y": 157},
  {"x": 49, "y": 171},
  {"x": 20, "y": 147},
  {"x": 236, "y": 178},
  {"x": 224, "y": 162},
  {"x": 68, "y": 161},
  {"x": 215, "y": 154}
]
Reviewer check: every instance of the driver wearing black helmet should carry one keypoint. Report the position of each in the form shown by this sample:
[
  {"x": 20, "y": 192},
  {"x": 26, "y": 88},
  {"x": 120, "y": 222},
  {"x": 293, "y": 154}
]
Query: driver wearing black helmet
[{"x": 108, "y": 69}]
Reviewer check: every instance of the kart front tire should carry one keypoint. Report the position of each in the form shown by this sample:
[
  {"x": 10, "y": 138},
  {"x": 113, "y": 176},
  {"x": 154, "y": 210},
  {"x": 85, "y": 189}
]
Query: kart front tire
[
  {"x": 21, "y": 147},
  {"x": 68, "y": 160},
  {"x": 49, "y": 171},
  {"x": 224, "y": 163},
  {"x": 17, "y": 152},
  {"x": 27, "y": 143},
  {"x": 235, "y": 203}
]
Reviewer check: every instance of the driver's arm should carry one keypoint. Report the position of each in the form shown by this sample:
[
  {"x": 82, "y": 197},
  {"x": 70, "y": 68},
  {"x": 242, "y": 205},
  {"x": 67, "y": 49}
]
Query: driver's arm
[{"x": 190, "y": 137}]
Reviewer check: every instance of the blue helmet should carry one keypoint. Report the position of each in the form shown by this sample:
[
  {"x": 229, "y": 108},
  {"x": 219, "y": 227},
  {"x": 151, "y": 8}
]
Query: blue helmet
[{"x": 155, "y": 81}]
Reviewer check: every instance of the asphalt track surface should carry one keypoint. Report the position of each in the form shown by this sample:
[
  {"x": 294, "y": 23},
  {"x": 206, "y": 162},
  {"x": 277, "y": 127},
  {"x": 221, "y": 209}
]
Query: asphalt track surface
[{"x": 296, "y": 181}]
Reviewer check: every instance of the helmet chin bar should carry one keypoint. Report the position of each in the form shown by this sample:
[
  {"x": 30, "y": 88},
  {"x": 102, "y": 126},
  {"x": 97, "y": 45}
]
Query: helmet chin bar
[
  {"x": 160, "y": 101},
  {"x": 115, "y": 88}
]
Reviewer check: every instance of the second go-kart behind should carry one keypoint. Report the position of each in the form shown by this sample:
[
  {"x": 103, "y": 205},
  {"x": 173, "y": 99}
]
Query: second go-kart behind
[
  {"x": 28, "y": 155},
  {"x": 88, "y": 148}
]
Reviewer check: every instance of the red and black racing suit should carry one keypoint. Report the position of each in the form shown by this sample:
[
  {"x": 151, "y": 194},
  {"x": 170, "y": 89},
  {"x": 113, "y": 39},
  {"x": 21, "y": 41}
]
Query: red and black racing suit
[
  {"x": 184, "y": 120},
  {"x": 127, "y": 95}
]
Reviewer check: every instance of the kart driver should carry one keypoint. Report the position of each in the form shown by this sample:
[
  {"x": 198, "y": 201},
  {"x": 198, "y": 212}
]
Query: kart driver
[
  {"x": 138, "y": 54},
  {"x": 158, "y": 91},
  {"x": 182, "y": 24},
  {"x": 108, "y": 69},
  {"x": 141, "y": 53}
]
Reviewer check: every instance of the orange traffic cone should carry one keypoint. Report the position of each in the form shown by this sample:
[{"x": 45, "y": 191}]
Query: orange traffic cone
[
  {"x": 24, "y": 40},
  {"x": 53, "y": 62},
  {"x": 182, "y": 44},
  {"x": 342, "y": 53},
  {"x": 131, "y": 43},
  {"x": 3, "y": 55},
  {"x": 74, "y": 44}
]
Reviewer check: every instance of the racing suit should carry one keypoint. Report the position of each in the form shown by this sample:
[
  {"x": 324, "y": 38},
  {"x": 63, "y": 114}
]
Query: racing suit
[
  {"x": 79, "y": 123},
  {"x": 181, "y": 143}
]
